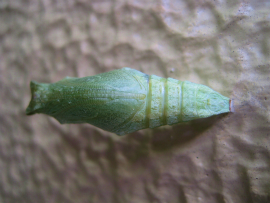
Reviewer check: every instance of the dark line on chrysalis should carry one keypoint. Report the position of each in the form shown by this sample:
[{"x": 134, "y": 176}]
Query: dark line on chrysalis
[
  {"x": 165, "y": 102},
  {"x": 148, "y": 102},
  {"x": 181, "y": 100}
]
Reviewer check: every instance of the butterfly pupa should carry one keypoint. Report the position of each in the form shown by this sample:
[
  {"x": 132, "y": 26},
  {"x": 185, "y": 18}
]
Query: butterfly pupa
[{"x": 125, "y": 100}]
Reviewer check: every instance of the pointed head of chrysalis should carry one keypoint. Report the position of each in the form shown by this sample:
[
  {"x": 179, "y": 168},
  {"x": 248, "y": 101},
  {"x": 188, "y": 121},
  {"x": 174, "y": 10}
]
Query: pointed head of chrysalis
[{"x": 39, "y": 97}]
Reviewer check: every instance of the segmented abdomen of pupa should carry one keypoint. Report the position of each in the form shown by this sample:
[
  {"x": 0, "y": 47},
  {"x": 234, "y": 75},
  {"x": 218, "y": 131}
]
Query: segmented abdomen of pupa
[{"x": 172, "y": 101}]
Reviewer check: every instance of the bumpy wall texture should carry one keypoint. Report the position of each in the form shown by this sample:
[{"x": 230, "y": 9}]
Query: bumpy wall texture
[{"x": 222, "y": 44}]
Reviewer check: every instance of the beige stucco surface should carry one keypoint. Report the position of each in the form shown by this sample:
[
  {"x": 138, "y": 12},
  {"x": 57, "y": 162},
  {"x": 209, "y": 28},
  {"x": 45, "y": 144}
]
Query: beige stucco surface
[{"x": 222, "y": 44}]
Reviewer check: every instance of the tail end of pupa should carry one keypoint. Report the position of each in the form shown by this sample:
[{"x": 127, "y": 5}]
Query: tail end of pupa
[{"x": 37, "y": 91}]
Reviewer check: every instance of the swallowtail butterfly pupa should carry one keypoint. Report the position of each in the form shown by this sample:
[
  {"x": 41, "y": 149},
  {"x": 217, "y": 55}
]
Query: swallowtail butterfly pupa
[{"x": 125, "y": 100}]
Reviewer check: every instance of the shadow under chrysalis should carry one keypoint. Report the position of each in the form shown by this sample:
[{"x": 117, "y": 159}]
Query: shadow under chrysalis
[{"x": 125, "y": 100}]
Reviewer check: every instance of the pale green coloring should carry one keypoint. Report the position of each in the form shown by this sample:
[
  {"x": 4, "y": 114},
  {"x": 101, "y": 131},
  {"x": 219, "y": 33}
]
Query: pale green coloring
[{"x": 125, "y": 100}]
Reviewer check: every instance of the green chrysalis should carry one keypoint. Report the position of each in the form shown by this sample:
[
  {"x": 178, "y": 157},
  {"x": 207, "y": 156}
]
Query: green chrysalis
[{"x": 125, "y": 100}]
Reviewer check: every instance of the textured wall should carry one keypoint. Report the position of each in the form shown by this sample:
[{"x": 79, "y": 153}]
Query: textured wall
[{"x": 224, "y": 44}]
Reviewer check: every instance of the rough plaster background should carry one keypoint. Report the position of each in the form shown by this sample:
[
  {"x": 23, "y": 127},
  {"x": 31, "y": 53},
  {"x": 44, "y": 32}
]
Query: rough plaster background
[{"x": 222, "y": 44}]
